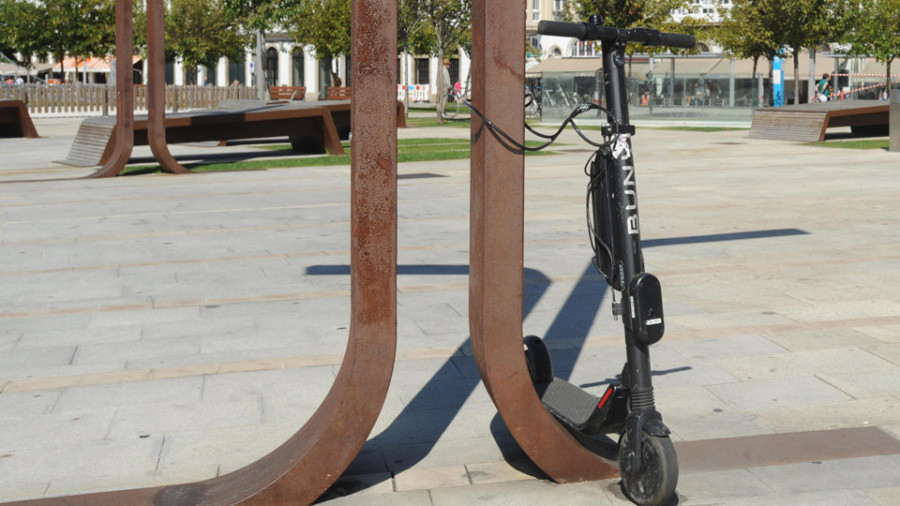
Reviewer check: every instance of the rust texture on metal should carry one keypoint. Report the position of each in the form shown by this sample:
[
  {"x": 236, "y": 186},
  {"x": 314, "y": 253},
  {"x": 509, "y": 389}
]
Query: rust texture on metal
[
  {"x": 496, "y": 256},
  {"x": 156, "y": 88},
  {"x": 124, "y": 132},
  {"x": 302, "y": 468}
]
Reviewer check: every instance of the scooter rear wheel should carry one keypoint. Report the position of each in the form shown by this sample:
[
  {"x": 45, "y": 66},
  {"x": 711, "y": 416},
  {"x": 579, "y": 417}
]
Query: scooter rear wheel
[
  {"x": 537, "y": 356},
  {"x": 654, "y": 483}
]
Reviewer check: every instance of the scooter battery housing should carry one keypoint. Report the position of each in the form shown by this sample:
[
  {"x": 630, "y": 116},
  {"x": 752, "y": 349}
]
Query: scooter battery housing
[{"x": 646, "y": 308}]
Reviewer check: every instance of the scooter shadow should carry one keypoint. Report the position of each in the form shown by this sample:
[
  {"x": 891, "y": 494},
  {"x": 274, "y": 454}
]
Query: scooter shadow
[{"x": 420, "y": 420}]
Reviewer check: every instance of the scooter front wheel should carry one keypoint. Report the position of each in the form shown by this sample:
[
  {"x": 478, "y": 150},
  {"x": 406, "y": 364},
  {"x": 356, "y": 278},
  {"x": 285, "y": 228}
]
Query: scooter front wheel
[
  {"x": 653, "y": 483},
  {"x": 537, "y": 356}
]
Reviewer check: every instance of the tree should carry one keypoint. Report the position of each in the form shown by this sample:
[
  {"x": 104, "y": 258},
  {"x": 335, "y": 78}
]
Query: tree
[
  {"x": 655, "y": 14},
  {"x": 747, "y": 32},
  {"x": 258, "y": 16},
  {"x": 324, "y": 24},
  {"x": 202, "y": 31},
  {"x": 630, "y": 13},
  {"x": 448, "y": 22},
  {"x": 76, "y": 27},
  {"x": 877, "y": 32},
  {"x": 19, "y": 30},
  {"x": 410, "y": 21},
  {"x": 743, "y": 35},
  {"x": 798, "y": 24}
]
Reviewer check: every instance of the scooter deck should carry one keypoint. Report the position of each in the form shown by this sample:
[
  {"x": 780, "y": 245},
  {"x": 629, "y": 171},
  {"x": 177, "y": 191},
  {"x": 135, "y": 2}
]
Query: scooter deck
[{"x": 571, "y": 405}]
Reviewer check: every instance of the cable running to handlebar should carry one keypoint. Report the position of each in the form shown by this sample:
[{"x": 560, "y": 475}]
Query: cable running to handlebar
[{"x": 583, "y": 108}]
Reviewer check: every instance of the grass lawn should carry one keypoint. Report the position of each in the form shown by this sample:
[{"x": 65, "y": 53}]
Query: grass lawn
[
  {"x": 408, "y": 150},
  {"x": 700, "y": 128},
  {"x": 855, "y": 144}
]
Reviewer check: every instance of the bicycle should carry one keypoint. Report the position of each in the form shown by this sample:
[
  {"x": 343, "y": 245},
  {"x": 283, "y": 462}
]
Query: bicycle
[
  {"x": 647, "y": 460},
  {"x": 456, "y": 102}
]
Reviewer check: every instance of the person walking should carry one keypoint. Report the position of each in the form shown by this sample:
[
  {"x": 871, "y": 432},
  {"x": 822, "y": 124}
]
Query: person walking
[{"x": 823, "y": 88}]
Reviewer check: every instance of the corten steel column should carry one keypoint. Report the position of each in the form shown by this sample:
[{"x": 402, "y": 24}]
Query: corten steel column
[
  {"x": 302, "y": 468},
  {"x": 496, "y": 258},
  {"x": 124, "y": 132},
  {"x": 156, "y": 88}
]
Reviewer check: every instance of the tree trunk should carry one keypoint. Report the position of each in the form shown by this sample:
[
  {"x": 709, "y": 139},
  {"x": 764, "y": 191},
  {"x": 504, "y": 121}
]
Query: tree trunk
[
  {"x": 261, "y": 90},
  {"x": 62, "y": 67},
  {"x": 796, "y": 53},
  {"x": 406, "y": 73},
  {"x": 811, "y": 80},
  {"x": 440, "y": 92},
  {"x": 887, "y": 78}
]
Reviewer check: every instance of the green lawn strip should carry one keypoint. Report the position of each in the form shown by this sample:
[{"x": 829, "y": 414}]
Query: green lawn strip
[
  {"x": 458, "y": 122},
  {"x": 698, "y": 128},
  {"x": 418, "y": 150},
  {"x": 854, "y": 144},
  {"x": 402, "y": 144}
]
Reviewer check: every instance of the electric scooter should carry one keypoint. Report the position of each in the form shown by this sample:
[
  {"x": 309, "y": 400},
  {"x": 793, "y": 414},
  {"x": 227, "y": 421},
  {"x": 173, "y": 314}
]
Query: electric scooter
[{"x": 646, "y": 456}]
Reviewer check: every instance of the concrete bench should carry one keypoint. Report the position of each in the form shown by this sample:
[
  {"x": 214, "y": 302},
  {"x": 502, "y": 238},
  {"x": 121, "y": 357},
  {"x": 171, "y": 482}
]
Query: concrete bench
[
  {"x": 287, "y": 92},
  {"x": 15, "y": 120},
  {"x": 309, "y": 129}
]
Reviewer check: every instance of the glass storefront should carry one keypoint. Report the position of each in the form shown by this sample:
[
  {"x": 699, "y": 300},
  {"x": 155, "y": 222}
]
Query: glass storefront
[{"x": 663, "y": 89}]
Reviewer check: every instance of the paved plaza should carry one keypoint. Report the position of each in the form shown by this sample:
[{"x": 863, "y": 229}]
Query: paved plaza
[{"x": 162, "y": 329}]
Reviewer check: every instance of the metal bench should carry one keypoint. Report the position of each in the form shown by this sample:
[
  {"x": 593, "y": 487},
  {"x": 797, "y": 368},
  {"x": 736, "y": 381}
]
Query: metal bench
[
  {"x": 808, "y": 122},
  {"x": 15, "y": 120},
  {"x": 287, "y": 92},
  {"x": 310, "y": 130}
]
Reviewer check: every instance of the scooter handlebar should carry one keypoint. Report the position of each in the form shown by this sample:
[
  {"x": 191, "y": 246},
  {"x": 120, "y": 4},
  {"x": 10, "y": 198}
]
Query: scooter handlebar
[{"x": 591, "y": 31}]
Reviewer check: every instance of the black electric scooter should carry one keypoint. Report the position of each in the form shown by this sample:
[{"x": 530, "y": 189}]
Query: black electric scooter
[{"x": 647, "y": 460}]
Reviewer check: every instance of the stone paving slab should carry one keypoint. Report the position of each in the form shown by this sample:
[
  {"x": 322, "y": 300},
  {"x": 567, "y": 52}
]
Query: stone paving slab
[{"x": 177, "y": 328}]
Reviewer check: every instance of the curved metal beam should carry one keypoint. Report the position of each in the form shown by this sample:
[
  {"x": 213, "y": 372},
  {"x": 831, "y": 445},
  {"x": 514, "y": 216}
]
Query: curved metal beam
[
  {"x": 124, "y": 132},
  {"x": 302, "y": 468},
  {"x": 156, "y": 88},
  {"x": 496, "y": 257}
]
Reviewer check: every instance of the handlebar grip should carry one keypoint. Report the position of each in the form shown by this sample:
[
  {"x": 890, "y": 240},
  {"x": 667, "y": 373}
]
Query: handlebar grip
[
  {"x": 563, "y": 29},
  {"x": 677, "y": 40}
]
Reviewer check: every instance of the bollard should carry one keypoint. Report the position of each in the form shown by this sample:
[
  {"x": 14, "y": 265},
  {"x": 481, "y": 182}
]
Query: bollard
[{"x": 895, "y": 119}]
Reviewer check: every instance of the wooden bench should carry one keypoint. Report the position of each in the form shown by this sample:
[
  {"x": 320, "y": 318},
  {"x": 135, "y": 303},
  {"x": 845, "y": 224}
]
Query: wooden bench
[
  {"x": 287, "y": 92},
  {"x": 808, "y": 122},
  {"x": 15, "y": 120},
  {"x": 340, "y": 111},
  {"x": 310, "y": 130},
  {"x": 338, "y": 93}
]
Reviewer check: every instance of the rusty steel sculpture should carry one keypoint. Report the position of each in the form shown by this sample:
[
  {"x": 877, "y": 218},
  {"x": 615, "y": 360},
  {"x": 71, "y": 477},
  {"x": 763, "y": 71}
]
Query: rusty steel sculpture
[
  {"x": 124, "y": 131},
  {"x": 156, "y": 91},
  {"x": 303, "y": 467},
  {"x": 496, "y": 256},
  {"x": 156, "y": 88}
]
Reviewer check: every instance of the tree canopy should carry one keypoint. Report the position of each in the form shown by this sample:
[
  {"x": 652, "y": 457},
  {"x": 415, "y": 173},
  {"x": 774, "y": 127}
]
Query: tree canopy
[
  {"x": 202, "y": 31},
  {"x": 324, "y": 24},
  {"x": 60, "y": 27},
  {"x": 755, "y": 28},
  {"x": 876, "y": 31}
]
